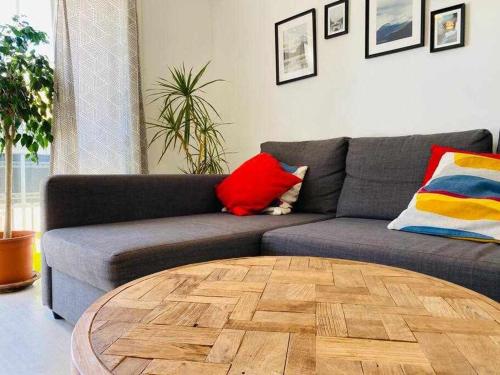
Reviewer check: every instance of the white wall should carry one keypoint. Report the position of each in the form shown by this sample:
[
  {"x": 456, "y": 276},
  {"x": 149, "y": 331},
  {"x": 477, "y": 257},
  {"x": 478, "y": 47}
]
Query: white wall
[{"x": 403, "y": 93}]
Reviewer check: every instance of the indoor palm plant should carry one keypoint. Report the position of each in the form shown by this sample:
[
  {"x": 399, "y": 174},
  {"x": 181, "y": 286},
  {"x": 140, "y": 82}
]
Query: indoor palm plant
[
  {"x": 186, "y": 121},
  {"x": 26, "y": 91}
]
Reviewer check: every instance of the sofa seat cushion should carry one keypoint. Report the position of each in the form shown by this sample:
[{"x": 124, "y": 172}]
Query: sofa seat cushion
[
  {"x": 109, "y": 255},
  {"x": 473, "y": 265}
]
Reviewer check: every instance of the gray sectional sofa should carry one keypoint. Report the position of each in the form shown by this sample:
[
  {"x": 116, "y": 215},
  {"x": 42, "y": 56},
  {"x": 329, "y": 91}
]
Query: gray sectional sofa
[{"x": 103, "y": 231}]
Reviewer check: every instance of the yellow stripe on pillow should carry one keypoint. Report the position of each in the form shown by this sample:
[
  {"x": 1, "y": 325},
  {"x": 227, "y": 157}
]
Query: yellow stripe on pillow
[
  {"x": 476, "y": 161},
  {"x": 476, "y": 240},
  {"x": 459, "y": 208}
]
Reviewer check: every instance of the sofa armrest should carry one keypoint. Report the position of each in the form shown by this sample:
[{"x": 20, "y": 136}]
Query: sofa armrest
[{"x": 70, "y": 201}]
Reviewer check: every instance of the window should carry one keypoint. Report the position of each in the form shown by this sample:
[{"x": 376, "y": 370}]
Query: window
[{"x": 27, "y": 175}]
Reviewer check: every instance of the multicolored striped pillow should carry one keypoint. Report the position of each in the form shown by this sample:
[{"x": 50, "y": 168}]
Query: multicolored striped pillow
[{"x": 462, "y": 200}]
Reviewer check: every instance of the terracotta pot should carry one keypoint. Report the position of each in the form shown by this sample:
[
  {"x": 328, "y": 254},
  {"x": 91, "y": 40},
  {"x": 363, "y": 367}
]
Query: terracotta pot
[{"x": 16, "y": 257}]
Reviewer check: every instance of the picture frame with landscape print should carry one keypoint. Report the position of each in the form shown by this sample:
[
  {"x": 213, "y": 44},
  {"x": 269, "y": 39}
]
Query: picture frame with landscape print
[
  {"x": 336, "y": 19},
  {"x": 295, "y": 39},
  {"x": 448, "y": 28},
  {"x": 393, "y": 26}
]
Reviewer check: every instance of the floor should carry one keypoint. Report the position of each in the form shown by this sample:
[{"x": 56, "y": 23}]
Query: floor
[{"x": 31, "y": 341}]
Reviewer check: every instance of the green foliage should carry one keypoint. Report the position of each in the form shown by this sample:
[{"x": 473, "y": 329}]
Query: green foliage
[
  {"x": 185, "y": 121},
  {"x": 26, "y": 89}
]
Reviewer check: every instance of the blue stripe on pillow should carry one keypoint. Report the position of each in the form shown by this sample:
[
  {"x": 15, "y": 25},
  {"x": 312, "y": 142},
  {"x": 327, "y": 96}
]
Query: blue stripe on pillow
[
  {"x": 288, "y": 168},
  {"x": 434, "y": 231},
  {"x": 468, "y": 186}
]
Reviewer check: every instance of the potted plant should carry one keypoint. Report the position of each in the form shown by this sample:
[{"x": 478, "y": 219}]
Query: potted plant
[
  {"x": 26, "y": 91},
  {"x": 185, "y": 121}
]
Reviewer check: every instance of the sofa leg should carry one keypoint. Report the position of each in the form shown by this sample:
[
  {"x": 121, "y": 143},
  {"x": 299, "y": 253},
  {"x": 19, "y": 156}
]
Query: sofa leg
[{"x": 57, "y": 316}]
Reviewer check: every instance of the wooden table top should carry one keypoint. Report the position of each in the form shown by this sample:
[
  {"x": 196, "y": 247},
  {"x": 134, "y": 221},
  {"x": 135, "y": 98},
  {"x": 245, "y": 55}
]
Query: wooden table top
[{"x": 288, "y": 315}]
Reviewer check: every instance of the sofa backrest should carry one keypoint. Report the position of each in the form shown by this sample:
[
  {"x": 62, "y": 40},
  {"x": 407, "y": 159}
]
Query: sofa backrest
[
  {"x": 69, "y": 201},
  {"x": 324, "y": 179},
  {"x": 384, "y": 173}
]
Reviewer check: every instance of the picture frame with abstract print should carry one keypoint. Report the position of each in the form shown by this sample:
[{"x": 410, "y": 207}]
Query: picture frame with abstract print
[
  {"x": 295, "y": 39},
  {"x": 336, "y": 19},
  {"x": 448, "y": 28},
  {"x": 393, "y": 26}
]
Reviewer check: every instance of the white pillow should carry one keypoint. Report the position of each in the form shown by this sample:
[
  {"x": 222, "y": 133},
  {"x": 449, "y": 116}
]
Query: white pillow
[{"x": 284, "y": 204}]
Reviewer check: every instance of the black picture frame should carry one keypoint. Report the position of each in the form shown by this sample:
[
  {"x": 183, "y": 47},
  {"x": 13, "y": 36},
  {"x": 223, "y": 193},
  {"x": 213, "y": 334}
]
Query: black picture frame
[
  {"x": 367, "y": 33},
  {"x": 434, "y": 13},
  {"x": 312, "y": 13},
  {"x": 346, "y": 29}
]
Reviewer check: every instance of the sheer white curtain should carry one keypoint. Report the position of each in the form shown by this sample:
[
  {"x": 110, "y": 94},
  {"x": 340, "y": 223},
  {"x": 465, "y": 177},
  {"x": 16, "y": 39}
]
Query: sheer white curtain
[{"x": 98, "y": 116}]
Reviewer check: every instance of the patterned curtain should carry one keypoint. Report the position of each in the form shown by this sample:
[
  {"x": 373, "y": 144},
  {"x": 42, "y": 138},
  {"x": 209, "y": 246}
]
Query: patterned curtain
[{"x": 98, "y": 115}]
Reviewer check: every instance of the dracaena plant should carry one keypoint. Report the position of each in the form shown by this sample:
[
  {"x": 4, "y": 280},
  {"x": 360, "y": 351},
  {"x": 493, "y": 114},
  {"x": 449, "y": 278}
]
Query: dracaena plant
[
  {"x": 186, "y": 121},
  {"x": 26, "y": 91}
]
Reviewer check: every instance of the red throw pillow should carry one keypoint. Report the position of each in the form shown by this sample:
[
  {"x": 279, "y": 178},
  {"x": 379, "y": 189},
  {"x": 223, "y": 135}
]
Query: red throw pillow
[
  {"x": 437, "y": 153},
  {"x": 254, "y": 185}
]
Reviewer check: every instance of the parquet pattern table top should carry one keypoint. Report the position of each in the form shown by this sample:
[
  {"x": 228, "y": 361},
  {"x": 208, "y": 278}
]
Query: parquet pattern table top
[{"x": 289, "y": 315}]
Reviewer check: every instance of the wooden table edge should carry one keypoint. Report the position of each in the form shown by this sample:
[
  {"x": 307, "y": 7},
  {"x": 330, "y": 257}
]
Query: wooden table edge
[{"x": 85, "y": 361}]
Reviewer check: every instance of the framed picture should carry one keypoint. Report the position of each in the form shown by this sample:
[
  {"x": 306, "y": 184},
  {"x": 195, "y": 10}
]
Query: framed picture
[
  {"x": 393, "y": 26},
  {"x": 448, "y": 28},
  {"x": 296, "y": 47},
  {"x": 336, "y": 19}
]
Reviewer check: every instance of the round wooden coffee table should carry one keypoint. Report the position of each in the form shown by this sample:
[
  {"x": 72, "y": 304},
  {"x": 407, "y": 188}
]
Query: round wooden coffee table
[{"x": 288, "y": 315}]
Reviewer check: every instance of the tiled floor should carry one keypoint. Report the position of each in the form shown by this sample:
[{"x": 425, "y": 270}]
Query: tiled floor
[{"x": 31, "y": 341}]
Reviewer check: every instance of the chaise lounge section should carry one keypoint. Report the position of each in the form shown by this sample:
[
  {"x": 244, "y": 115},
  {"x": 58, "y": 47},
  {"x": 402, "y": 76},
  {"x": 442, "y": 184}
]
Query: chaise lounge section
[{"x": 103, "y": 231}]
